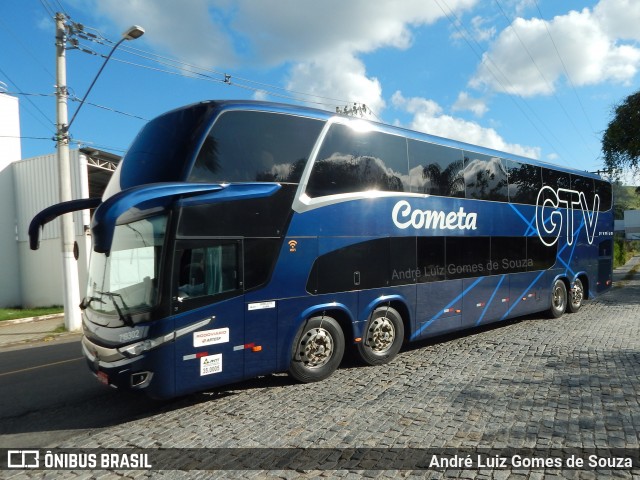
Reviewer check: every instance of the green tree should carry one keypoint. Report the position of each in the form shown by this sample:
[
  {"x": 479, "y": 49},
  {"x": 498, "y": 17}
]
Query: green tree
[{"x": 621, "y": 139}]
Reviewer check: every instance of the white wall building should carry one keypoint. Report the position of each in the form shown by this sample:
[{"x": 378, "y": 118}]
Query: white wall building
[
  {"x": 34, "y": 278},
  {"x": 9, "y": 153}
]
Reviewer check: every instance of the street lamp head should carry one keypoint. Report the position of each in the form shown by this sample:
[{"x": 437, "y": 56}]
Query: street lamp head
[{"x": 133, "y": 32}]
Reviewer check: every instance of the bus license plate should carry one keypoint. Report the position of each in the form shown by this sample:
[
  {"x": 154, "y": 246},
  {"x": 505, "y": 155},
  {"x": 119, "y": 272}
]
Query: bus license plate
[{"x": 103, "y": 378}]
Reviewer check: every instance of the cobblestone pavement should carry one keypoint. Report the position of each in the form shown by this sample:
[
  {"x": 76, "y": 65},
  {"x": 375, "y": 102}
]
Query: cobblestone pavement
[{"x": 534, "y": 383}]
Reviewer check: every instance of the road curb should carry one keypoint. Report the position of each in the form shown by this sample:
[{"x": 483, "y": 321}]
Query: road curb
[{"x": 18, "y": 321}]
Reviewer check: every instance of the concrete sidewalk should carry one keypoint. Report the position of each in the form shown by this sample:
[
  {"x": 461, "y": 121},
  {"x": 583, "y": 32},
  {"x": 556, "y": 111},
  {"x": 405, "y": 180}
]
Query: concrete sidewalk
[{"x": 30, "y": 331}]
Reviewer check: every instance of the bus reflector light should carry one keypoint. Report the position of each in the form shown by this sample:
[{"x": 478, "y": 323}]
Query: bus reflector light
[{"x": 201, "y": 354}]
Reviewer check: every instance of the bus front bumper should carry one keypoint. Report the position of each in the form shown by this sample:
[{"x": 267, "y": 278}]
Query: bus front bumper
[{"x": 115, "y": 369}]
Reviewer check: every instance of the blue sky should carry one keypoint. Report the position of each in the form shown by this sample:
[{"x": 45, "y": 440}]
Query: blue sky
[{"x": 535, "y": 77}]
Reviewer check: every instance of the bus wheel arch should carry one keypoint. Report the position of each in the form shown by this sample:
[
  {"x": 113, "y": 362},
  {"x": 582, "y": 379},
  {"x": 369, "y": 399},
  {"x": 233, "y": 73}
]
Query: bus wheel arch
[
  {"x": 559, "y": 298},
  {"x": 577, "y": 294},
  {"x": 383, "y": 334},
  {"x": 317, "y": 349}
]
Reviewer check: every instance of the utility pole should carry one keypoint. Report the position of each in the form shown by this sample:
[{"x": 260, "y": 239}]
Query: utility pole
[{"x": 71, "y": 284}]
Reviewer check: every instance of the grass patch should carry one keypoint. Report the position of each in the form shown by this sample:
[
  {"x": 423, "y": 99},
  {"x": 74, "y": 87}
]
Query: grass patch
[
  {"x": 13, "y": 313},
  {"x": 623, "y": 251}
]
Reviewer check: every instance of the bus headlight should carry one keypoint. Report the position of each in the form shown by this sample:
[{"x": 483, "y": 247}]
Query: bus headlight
[{"x": 136, "y": 349}]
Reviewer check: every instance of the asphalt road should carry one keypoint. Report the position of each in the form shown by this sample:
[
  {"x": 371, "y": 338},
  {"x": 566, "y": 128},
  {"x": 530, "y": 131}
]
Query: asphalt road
[{"x": 49, "y": 395}]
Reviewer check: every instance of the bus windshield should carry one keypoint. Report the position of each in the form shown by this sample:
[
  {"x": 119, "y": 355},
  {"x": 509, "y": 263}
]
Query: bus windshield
[{"x": 126, "y": 280}]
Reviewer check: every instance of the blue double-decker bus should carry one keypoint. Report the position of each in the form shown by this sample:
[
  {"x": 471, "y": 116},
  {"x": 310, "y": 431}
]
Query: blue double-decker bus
[{"x": 239, "y": 238}]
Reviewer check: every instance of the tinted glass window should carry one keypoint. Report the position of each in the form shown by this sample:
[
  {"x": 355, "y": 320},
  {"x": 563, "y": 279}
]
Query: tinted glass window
[
  {"x": 159, "y": 151},
  {"x": 524, "y": 182},
  {"x": 208, "y": 270},
  {"x": 431, "y": 261},
  {"x": 539, "y": 255},
  {"x": 585, "y": 185},
  {"x": 403, "y": 261},
  {"x": 354, "y": 161},
  {"x": 256, "y": 147},
  {"x": 467, "y": 257},
  {"x": 603, "y": 189},
  {"x": 356, "y": 267},
  {"x": 260, "y": 255},
  {"x": 435, "y": 169},
  {"x": 555, "y": 179},
  {"x": 485, "y": 177},
  {"x": 508, "y": 255}
]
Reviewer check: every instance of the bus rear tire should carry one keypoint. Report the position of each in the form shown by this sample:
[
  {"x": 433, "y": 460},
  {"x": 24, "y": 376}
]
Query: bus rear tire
[
  {"x": 576, "y": 296},
  {"x": 383, "y": 337},
  {"x": 317, "y": 350},
  {"x": 558, "y": 299}
]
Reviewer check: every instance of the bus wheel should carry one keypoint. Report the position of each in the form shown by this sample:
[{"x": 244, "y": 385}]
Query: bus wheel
[
  {"x": 558, "y": 299},
  {"x": 317, "y": 350},
  {"x": 383, "y": 337},
  {"x": 576, "y": 296}
]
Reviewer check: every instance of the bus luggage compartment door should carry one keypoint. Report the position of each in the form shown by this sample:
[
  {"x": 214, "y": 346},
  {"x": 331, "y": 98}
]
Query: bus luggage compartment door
[{"x": 261, "y": 334}]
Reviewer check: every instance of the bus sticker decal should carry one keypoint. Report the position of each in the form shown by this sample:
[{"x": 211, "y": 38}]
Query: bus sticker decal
[
  {"x": 211, "y": 364},
  {"x": 404, "y": 216},
  {"x": 554, "y": 201},
  {"x": 210, "y": 337},
  {"x": 261, "y": 306}
]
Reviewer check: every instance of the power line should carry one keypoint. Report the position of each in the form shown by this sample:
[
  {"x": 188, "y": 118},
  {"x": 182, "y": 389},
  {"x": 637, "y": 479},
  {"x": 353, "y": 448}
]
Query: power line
[
  {"x": 30, "y": 101},
  {"x": 203, "y": 73},
  {"x": 512, "y": 94},
  {"x": 564, "y": 67},
  {"x": 549, "y": 86}
]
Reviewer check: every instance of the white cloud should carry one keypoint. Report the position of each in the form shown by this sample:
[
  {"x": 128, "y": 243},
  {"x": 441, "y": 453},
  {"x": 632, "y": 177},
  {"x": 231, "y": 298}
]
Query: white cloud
[
  {"x": 321, "y": 42},
  {"x": 428, "y": 117},
  {"x": 186, "y": 30},
  {"x": 465, "y": 102},
  {"x": 587, "y": 41},
  {"x": 479, "y": 31},
  {"x": 343, "y": 76}
]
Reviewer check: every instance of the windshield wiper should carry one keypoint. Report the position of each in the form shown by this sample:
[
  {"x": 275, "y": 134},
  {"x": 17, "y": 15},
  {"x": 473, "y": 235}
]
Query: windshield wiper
[
  {"x": 86, "y": 301},
  {"x": 125, "y": 319}
]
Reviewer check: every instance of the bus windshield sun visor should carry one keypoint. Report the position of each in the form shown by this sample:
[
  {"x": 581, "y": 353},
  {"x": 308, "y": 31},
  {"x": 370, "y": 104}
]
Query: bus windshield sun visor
[{"x": 53, "y": 212}]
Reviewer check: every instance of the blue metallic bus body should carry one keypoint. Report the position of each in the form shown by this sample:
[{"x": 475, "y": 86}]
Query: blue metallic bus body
[{"x": 257, "y": 328}]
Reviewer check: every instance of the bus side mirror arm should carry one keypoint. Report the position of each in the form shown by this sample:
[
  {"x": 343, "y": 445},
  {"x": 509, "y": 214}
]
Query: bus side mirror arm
[{"x": 53, "y": 212}]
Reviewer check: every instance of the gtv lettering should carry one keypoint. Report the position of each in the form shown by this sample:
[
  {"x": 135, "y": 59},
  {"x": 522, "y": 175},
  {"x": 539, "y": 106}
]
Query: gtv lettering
[
  {"x": 549, "y": 216},
  {"x": 404, "y": 217}
]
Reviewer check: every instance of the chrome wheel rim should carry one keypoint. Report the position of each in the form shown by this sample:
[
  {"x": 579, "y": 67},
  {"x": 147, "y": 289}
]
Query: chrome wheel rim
[
  {"x": 381, "y": 335},
  {"x": 577, "y": 294},
  {"x": 558, "y": 297},
  {"x": 316, "y": 348}
]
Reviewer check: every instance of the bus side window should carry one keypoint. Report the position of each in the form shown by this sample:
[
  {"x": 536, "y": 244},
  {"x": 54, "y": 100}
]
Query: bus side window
[
  {"x": 603, "y": 189},
  {"x": 206, "y": 271},
  {"x": 436, "y": 169},
  {"x": 586, "y": 186},
  {"x": 525, "y": 181},
  {"x": 351, "y": 161},
  {"x": 485, "y": 177}
]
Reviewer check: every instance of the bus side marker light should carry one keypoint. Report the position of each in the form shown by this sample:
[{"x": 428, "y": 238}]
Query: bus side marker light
[
  {"x": 458, "y": 311},
  {"x": 505, "y": 300},
  {"x": 357, "y": 340},
  {"x": 257, "y": 348},
  {"x": 481, "y": 304}
]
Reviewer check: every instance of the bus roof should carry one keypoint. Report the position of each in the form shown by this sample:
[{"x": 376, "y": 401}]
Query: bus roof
[{"x": 226, "y": 105}]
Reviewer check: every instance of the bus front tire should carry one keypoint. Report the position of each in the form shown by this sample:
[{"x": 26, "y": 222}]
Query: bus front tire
[
  {"x": 558, "y": 299},
  {"x": 317, "y": 350},
  {"x": 576, "y": 296},
  {"x": 382, "y": 338}
]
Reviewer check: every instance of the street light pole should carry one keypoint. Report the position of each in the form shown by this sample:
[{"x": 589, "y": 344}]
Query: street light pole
[{"x": 71, "y": 284}]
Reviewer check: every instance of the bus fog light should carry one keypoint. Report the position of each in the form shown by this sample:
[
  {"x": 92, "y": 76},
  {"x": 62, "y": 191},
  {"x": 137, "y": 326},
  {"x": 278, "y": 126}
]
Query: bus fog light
[{"x": 141, "y": 379}]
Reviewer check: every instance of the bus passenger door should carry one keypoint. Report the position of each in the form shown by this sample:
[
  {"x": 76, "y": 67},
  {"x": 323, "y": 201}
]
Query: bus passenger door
[{"x": 207, "y": 285}]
